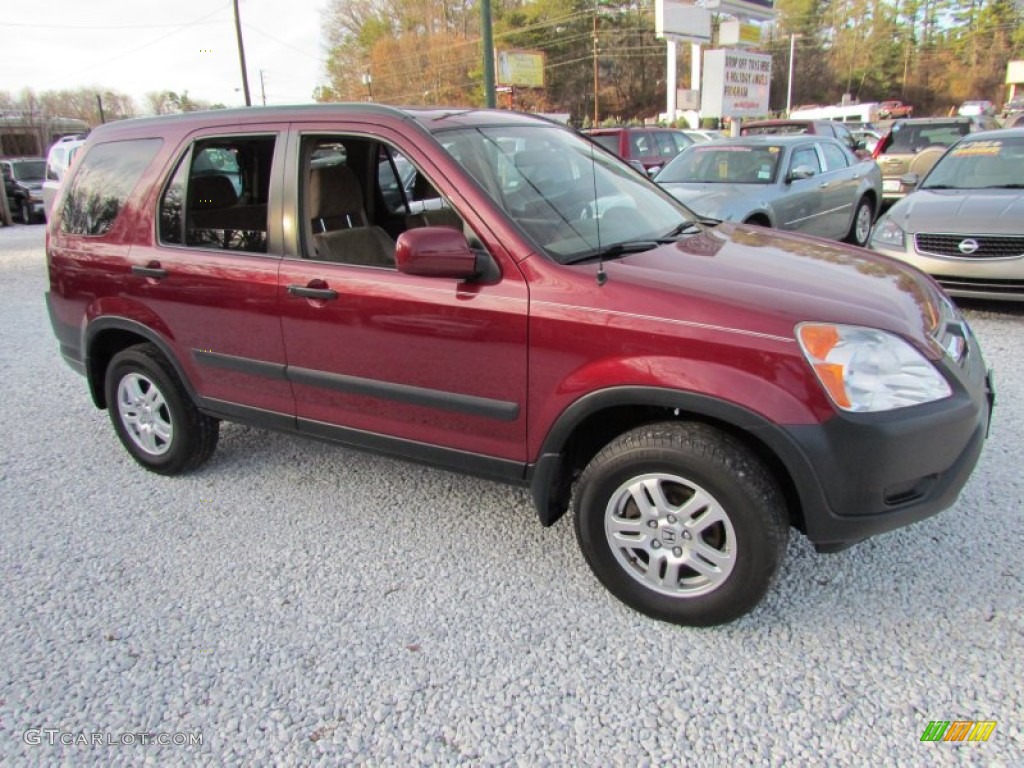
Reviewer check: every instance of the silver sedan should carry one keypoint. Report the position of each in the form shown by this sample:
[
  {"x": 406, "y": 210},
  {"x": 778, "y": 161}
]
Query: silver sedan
[
  {"x": 964, "y": 224},
  {"x": 810, "y": 184}
]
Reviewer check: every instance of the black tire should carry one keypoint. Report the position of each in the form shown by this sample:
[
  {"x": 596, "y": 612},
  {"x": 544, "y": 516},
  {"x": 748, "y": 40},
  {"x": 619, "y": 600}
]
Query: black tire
[
  {"x": 153, "y": 415},
  {"x": 863, "y": 213},
  {"x": 690, "y": 463}
]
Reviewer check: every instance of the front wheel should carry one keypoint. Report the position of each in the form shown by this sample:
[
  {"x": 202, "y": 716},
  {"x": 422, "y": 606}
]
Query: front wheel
[
  {"x": 860, "y": 227},
  {"x": 681, "y": 522},
  {"x": 153, "y": 415}
]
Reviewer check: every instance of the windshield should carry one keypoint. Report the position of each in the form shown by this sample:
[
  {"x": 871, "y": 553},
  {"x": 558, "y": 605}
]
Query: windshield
[
  {"x": 913, "y": 138},
  {"x": 31, "y": 170},
  {"x": 992, "y": 163},
  {"x": 724, "y": 164},
  {"x": 570, "y": 197}
]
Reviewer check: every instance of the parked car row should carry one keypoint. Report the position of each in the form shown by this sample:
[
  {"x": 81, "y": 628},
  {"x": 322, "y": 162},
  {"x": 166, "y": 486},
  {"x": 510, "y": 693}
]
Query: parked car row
[{"x": 800, "y": 183}]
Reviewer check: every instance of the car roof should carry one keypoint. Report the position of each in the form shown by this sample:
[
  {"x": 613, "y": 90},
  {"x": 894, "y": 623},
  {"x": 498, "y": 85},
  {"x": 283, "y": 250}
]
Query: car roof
[
  {"x": 617, "y": 128},
  {"x": 767, "y": 139},
  {"x": 432, "y": 118}
]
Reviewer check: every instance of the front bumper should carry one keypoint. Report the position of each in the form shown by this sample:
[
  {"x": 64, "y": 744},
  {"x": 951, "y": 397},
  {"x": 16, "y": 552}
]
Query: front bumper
[
  {"x": 999, "y": 279},
  {"x": 871, "y": 473}
]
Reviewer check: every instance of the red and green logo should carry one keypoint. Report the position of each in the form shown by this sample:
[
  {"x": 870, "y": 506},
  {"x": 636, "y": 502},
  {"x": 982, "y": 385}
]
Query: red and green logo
[{"x": 958, "y": 730}]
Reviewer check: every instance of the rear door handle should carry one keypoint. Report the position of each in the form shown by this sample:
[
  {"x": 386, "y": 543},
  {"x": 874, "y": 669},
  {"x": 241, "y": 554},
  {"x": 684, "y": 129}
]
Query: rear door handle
[
  {"x": 153, "y": 269},
  {"x": 324, "y": 294}
]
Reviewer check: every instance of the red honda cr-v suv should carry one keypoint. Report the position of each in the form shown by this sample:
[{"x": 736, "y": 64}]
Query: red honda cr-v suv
[{"x": 489, "y": 292}]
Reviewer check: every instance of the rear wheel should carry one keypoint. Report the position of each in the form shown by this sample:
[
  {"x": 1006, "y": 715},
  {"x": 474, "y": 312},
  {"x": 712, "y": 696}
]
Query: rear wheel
[
  {"x": 681, "y": 522},
  {"x": 153, "y": 415},
  {"x": 860, "y": 227}
]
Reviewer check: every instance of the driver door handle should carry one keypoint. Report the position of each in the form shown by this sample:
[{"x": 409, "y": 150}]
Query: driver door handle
[{"x": 324, "y": 294}]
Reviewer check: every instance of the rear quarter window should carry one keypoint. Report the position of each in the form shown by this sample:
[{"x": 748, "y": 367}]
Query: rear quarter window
[{"x": 105, "y": 178}]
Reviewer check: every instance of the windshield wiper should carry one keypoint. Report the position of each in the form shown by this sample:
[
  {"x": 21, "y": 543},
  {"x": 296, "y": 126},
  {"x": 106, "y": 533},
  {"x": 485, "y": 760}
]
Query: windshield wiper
[
  {"x": 686, "y": 228},
  {"x": 619, "y": 249},
  {"x": 1015, "y": 185}
]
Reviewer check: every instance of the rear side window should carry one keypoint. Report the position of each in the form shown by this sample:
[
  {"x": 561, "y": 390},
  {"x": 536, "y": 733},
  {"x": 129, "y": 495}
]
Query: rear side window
[
  {"x": 609, "y": 141},
  {"x": 217, "y": 197},
  {"x": 105, "y": 178}
]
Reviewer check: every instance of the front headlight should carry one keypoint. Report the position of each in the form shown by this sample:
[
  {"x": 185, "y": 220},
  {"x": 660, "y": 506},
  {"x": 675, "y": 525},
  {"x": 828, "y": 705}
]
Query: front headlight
[
  {"x": 888, "y": 234},
  {"x": 867, "y": 370}
]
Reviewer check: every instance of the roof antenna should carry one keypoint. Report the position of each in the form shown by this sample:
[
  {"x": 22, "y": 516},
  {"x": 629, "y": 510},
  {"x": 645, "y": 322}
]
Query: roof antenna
[{"x": 602, "y": 276}]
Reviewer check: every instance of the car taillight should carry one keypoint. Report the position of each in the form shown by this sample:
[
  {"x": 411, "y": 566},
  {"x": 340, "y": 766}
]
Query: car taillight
[{"x": 881, "y": 145}]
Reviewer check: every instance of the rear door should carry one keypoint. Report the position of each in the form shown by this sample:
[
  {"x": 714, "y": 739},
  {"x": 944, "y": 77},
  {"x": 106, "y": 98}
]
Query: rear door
[
  {"x": 386, "y": 360},
  {"x": 210, "y": 275},
  {"x": 801, "y": 207},
  {"x": 839, "y": 190}
]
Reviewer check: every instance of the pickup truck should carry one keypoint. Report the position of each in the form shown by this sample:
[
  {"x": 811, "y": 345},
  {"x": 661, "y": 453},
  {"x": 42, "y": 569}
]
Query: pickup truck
[{"x": 890, "y": 110}]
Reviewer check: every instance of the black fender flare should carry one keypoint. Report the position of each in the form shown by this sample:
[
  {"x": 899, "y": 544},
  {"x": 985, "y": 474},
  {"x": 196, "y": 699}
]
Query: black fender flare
[
  {"x": 546, "y": 479},
  {"x": 108, "y": 323}
]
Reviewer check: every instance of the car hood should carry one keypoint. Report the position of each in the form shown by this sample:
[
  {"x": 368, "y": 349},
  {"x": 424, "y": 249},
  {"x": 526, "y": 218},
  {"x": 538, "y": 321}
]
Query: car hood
[
  {"x": 956, "y": 211},
  {"x": 716, "y": 201},
  {"x": 766, "y": 282}
]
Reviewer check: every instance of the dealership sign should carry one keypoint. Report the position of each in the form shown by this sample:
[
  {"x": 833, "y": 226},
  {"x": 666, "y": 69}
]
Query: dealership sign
[{"x": 736, "y": 83}]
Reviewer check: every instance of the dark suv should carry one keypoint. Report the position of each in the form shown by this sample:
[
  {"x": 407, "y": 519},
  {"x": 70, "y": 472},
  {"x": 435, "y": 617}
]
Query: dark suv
[
  {"x": 23, "y": 182},
  {"x": 519, "y": 307},
  {"x": 814, "y": 127},
  {"x": 642, "y": 147}
]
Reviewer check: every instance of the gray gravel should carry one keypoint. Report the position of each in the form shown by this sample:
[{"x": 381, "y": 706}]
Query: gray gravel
[{"x": 293, "y": 600}]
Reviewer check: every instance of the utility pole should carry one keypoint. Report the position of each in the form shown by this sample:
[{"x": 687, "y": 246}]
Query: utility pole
[
  {"x": 485, "y": 22},
  {"x": 99, "y": 105},
  {"x": 789, "y": 87},
  {"x": 241, "y": 56},
  {"x": 595, "y": 67},
  {"x": 263, "y": 89}
]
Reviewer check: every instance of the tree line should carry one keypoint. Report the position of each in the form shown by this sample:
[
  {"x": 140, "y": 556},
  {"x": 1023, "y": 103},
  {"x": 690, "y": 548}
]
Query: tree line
[{"x": 934, "y": 54}]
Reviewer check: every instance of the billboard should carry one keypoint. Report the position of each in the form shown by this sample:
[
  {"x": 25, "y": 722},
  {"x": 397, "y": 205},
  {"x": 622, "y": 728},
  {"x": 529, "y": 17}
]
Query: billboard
[
  {"x": 523, "y": 69},
  {"x": 736, "y": 83},
  {"x": 683, "y": 21},
  {"x": 761, "y": 10}
]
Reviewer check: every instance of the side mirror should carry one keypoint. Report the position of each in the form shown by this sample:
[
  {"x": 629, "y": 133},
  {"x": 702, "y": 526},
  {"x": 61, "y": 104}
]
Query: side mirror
[
  {"x": 437, "y": 252},
  {"x": 653, "y": 171},
  {"x": 801, "y": 172},
  {"x": 909, "y": 180}
]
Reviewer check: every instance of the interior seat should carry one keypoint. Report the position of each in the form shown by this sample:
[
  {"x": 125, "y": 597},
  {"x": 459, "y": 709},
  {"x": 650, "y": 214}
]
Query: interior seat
[{"x": 341, "y": 228}]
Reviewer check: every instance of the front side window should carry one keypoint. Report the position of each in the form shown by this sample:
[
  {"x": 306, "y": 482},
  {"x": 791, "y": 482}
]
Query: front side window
[
  {"x": 105, "y": 178},
  {"x": 217, "y": 197},
  {"x": 806, "y": 157}
]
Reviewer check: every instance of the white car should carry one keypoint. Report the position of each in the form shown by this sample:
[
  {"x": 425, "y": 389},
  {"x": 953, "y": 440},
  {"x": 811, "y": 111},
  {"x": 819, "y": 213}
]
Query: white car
[
  {"x": 57, "y": 164},
  {"x": 976, "y": 109}
]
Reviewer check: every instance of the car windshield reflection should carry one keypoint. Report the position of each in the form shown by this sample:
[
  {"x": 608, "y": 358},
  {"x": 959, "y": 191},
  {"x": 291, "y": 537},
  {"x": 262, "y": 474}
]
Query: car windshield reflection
[
  {"x": 568, "y": 195},
  {"x": 980, "y": 164}
]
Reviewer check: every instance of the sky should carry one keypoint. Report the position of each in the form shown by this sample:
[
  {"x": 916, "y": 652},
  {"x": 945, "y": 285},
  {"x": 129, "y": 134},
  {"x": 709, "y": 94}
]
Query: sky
[{"x": 139, "y": 46}]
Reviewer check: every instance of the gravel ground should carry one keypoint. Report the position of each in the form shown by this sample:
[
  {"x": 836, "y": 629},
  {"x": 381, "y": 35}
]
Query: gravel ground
[{"x": 293, "y": 601}]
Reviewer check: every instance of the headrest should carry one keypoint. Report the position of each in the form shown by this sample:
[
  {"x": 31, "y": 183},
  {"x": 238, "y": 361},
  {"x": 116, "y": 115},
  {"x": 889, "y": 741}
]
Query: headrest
[
  {"x": 334, "y": 191},
  {"x": 211, "y": 193}
]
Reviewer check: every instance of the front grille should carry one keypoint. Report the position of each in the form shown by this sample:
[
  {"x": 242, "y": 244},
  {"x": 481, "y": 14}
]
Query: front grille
[
  {"x": 989, "y": 246},
  {"x": 966, "y": 285}
]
